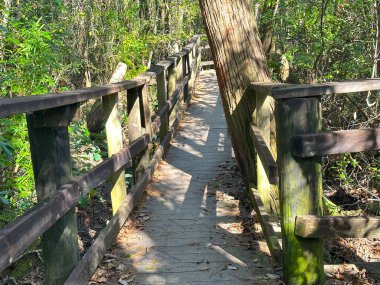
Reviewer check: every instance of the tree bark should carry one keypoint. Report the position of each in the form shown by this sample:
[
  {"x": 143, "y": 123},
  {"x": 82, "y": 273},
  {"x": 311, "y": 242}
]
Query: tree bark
[
  {"x": 239, "y": 60},
  {"x": 7, "y": 7},
  {"x": 95, "y": 117}
]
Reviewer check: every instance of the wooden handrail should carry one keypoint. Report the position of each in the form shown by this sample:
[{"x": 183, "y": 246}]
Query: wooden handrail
[
  {"x": 262, "y": 149},
  {"x": 335, "y": 227},
  {"x": 20, "y": 105},
  {"x": 284, "y": 91},
  {"x": 20, "y": 233},
  {"x": 327, "y": 143}
]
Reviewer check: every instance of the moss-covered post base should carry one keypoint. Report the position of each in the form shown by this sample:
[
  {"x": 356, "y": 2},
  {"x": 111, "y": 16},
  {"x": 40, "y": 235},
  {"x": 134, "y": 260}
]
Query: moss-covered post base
[{"x": 300, "y": 189}]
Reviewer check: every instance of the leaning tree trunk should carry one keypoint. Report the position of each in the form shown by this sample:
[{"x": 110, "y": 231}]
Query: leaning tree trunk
[{"x": 239, "y": 60}]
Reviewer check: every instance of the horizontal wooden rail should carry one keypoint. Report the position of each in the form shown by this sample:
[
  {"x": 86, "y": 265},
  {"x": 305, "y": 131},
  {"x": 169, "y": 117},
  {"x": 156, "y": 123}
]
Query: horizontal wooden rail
[
  {"x": 334, "y": 227},
  {"x": 19, "y": 105},
  {"x": 327, "y": 143},
  {"x": 266, "y": 221},
  {"x": 265, "y": 155},
  {"x": 311, "y": 90},
  {"x": 266, "y": 88},
  {"x": 284, "y": 91},
  {"x": 23, "y": 231}
]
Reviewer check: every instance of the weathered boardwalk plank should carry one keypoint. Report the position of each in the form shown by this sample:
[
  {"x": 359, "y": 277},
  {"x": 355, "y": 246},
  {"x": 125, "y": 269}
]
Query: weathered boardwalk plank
[{"x": 189, "y": 234}]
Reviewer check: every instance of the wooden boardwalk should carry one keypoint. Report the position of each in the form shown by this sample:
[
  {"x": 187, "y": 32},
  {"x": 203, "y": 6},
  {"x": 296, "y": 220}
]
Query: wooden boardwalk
[{"x": 192, "y": 230}]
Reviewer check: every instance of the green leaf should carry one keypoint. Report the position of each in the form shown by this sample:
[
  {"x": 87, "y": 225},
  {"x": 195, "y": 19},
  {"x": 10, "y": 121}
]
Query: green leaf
[
  {"x": 5, "y": 201},
  {"x": 97, "y": 156}
]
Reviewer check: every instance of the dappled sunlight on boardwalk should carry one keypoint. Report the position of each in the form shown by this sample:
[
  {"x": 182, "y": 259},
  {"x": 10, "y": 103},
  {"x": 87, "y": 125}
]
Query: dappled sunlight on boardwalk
[{"x": 194, "y": 228}]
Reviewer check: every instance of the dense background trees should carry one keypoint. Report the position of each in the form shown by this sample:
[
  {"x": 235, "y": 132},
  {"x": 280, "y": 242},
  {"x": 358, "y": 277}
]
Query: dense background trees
[{"x": 49, "y": 46}]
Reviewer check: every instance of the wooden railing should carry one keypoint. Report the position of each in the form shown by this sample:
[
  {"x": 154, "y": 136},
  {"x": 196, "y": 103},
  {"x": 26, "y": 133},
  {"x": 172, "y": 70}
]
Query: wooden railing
[
  {"x": 58, "y": 193},
  {"x": 300, "y": 146}
]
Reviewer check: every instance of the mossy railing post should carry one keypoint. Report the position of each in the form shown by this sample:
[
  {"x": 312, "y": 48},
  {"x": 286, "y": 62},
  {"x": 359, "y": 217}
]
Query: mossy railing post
[
  {"x": 180, "y": 72},
  {"x": 194, "y": 61},
  {"x": 186, "y": 71},
  {"x": 139, "y": 122},
  {"x": 172, "y": 83},
  {"x": 263, "y": 114},
  {"x": 162, "y": 97},
  {"x": 50, "y": 150},
  {"x": 114, "y": 145},
  {"x": 300, "y": 189}
]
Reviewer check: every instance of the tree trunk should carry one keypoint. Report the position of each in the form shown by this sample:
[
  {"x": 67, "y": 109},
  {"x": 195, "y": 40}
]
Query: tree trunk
[
  {"x": 239, "y": 60},
  {"x": 266, "y": 26},
  {"x": 95, "y": 117},
  {"x": 7, "y": 7}
]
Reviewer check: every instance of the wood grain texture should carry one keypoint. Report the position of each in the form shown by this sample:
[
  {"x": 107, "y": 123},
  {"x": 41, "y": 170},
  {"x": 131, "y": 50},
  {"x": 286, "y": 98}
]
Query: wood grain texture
[
  {"x": 162, "y": 97},
  {"x": 310, "y": 90},
  {"x": 266, "y": 88},
  {"x": 327, "y": 227},
  {"x": 266, "y": 158},
  {"x": 326, "y": 143},
  {"x": 300, "y": 189},
  {"x": 114, "y": 145},
  {"x": 239, "y": 60},
  {"x": 268, "y": 193},
  {"x": 267, "y": 221},
  {"x": 50, "y": 151}
]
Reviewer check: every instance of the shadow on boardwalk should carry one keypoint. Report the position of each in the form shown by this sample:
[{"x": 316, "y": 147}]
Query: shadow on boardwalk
[{"x": 195, "y": 225}]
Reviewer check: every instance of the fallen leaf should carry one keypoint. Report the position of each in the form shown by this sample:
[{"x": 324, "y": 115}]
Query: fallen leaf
[
  {"x": 231, "y": 267},
  {"x": 123, "y": 282}
]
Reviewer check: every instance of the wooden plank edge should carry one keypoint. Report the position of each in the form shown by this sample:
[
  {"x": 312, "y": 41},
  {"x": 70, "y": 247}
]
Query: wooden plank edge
[
  {"x": 90, "y": 261},
  {"x": 269, "y": 163},
  {"x": 330, "y": 227},
  {"x": 265, "y": 220},
  {"x": 327, "y": 143},
  {"x": 329, "y": 88},
  {"x": 266, "y": 88}
]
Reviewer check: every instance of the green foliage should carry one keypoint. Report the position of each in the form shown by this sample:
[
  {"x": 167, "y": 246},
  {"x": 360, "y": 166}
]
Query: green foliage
[
  {"x": 49, "y": 46},
  {"x": 324, "y": 40},
  {"x": 15, "y": 164},
  {"x": 30, "y": 61},
  {"x": 86, "y": 151}
]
